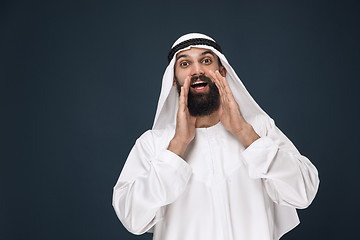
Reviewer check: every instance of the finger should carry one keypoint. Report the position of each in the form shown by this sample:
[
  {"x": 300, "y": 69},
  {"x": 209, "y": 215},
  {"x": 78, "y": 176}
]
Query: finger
[
  {"x": 219, "y": 78},
  {"x": 220, "y": 85},
  {"x": 225, "y": 86},
  {"x": 186, "y": 89},
  {"x": 221, "y": 110},
  {"x": 187, "y": 83},
  {"x": 221, "y": 88},
  {"x": 214, "y": 78},
  {"x": 182, "y": 105},
  {"x": 224, "y": 100}
]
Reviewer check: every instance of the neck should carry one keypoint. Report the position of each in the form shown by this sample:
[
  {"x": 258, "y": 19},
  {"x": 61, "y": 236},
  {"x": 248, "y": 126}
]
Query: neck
[{"x": 207, "y": 121}]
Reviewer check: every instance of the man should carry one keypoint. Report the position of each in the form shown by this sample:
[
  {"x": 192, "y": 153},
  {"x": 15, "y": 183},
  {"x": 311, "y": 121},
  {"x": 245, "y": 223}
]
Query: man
[{"x": 214, "y": 166}]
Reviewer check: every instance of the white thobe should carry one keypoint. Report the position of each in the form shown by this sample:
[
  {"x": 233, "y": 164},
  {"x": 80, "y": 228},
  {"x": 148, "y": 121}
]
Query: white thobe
[{"x": 219, "y": 190}]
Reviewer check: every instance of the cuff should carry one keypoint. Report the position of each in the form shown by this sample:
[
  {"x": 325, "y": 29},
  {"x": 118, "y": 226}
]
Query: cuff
[{"x": 259, "y": 155}]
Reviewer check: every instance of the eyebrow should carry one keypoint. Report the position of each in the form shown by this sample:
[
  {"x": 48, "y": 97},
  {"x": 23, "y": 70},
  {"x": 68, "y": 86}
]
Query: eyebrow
[
  {"x": 183, "y": 55},
  {"x": 204, "y": 53}
]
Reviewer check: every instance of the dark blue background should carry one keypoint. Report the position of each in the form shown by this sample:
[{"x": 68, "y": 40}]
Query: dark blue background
[{"x": 80, "y": 82}]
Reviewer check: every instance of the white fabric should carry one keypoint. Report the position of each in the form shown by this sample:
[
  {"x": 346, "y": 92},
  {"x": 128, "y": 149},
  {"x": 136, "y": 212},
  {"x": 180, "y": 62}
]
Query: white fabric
[
  {"x": 190, "y": 36},
  {"x": 220, "y": 190}
]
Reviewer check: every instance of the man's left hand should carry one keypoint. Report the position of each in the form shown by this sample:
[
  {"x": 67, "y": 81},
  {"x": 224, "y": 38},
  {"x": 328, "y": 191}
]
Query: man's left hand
[{"x": 229, "y": 112}]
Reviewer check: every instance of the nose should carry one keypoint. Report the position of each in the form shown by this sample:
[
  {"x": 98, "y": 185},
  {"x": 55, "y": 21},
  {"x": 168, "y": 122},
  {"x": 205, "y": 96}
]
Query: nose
[{"x": 197, "y": 69}]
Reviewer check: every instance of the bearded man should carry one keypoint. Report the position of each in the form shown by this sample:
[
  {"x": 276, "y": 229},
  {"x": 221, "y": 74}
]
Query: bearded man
[{"x": 214, "y": 165}]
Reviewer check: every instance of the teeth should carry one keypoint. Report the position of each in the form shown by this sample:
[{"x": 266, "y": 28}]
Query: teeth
[{"x": 197, "y": 83}]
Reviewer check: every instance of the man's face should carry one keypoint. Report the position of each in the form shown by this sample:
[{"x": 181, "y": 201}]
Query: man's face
[{"x": 203, "y": 98}]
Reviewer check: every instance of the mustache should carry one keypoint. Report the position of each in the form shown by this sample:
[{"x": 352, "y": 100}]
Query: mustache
[{"x": 202, "y": 77}]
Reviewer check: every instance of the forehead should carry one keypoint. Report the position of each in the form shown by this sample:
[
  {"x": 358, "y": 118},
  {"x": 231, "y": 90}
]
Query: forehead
[{"x": 195, "y": 52}]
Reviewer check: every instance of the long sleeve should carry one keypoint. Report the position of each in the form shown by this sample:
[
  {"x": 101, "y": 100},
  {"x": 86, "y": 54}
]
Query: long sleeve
[
  {"x": 150, "y": 179},
  {"x": 290, "y": 178}
]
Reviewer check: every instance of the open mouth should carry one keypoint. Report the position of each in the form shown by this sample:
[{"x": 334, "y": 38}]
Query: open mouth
[{"x": 199, "y": 85}]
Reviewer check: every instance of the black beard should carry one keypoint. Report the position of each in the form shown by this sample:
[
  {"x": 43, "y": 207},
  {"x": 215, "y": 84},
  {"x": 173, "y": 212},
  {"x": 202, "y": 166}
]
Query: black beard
[{"x": 202, "y": 104}]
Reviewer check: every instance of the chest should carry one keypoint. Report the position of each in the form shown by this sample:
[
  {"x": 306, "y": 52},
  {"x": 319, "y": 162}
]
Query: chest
[{"x": 214, "y": 155}]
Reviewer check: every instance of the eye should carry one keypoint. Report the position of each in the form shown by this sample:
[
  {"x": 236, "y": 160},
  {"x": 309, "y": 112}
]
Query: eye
[
  {"x": 207, "y": 61},
  {"x": 184, "y": 64}
]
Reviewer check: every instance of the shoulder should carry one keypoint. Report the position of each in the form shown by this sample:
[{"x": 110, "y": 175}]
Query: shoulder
[{"x": 156, "y": 137}]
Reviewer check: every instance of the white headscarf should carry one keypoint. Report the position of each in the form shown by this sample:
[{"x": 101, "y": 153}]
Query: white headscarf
[{"x": 169, "y": 99}]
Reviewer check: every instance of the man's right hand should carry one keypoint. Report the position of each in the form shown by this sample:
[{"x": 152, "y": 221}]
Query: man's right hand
[{"x": 185, "y": 123}]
